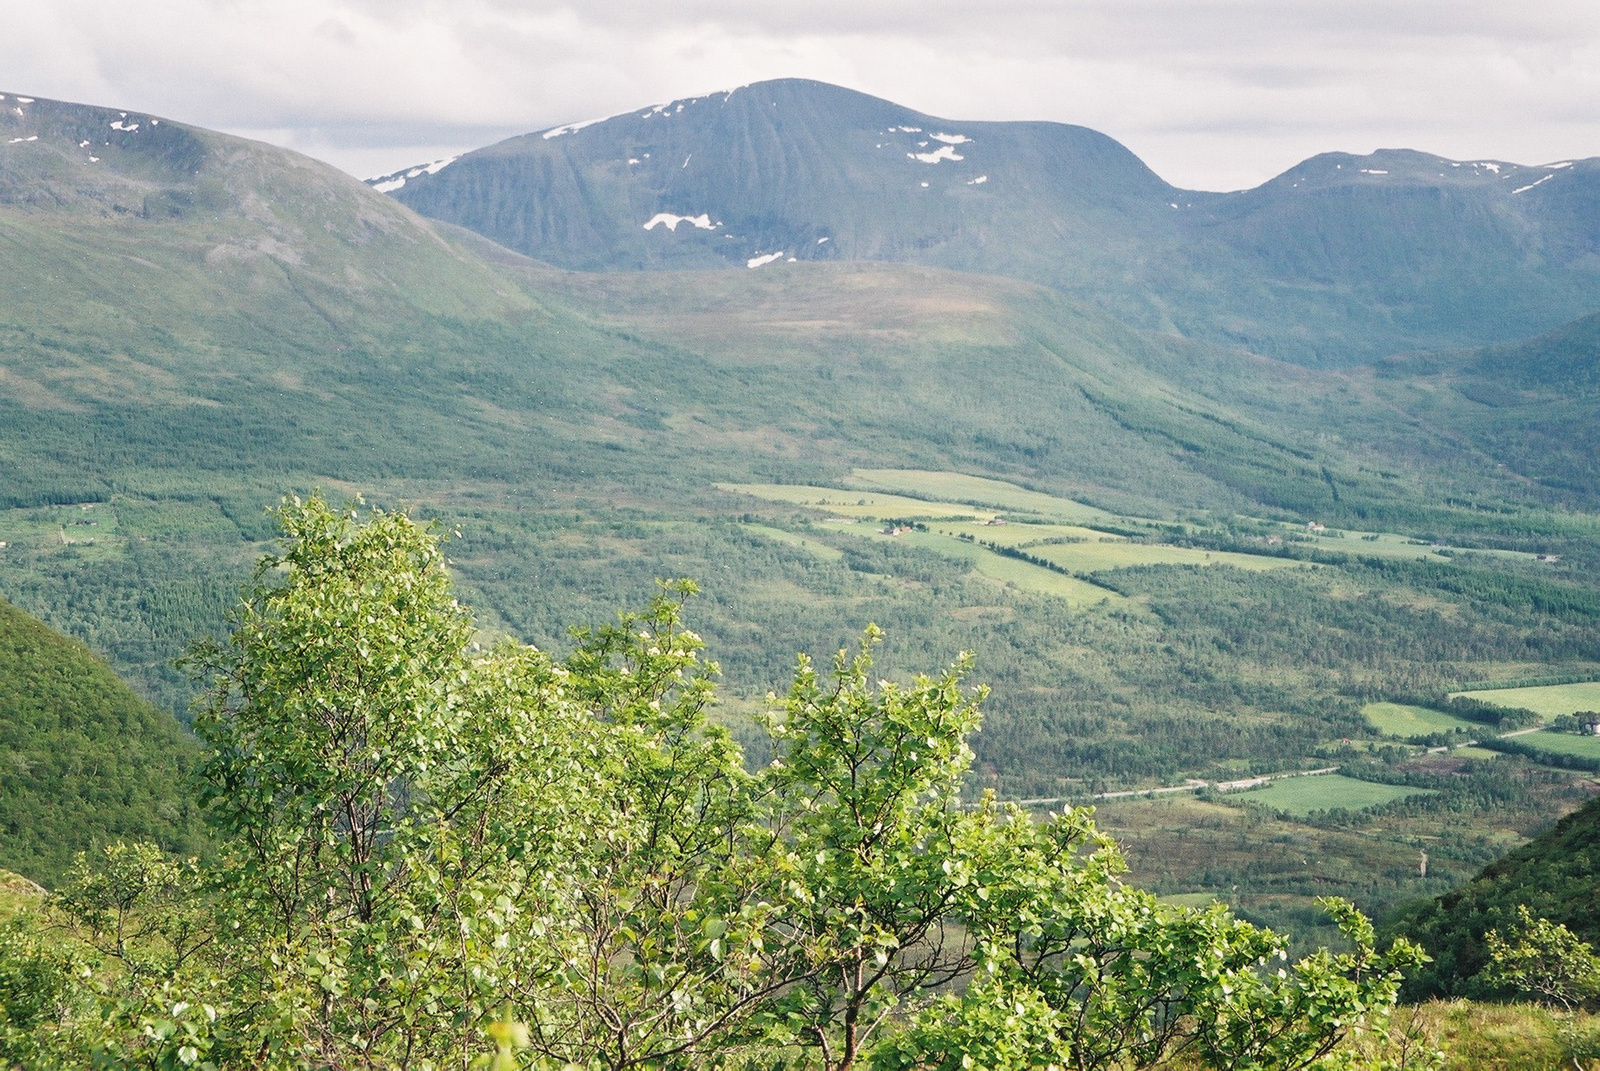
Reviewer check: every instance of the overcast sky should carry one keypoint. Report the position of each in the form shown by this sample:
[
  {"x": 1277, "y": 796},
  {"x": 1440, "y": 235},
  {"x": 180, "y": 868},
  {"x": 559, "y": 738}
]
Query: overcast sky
[{"x": 1213, "y": 94}]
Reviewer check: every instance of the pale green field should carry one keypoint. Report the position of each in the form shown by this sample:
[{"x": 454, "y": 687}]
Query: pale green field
[
  {"x": 1587, "y": 747},
  {"x": 1021, "y": 535},
  {"x": 996, "y": 493},
  {"x": 1023, "y": 575},
  {"x": 1098, "y": 551},
  {"x": 1190, "y": 899},
  {"x": 1548, "y": 700},
  {"x": 1092, "y": 557},
  {"x": 811, "y": 546},
  {"x": 1302, "y": 795},
  {"x": 864, "y": 504},
  {"x": 44, "y": 526},
  {"x": 1400, "y": 719}
]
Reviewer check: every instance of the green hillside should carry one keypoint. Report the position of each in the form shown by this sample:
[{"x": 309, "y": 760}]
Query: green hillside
[
  {"x": 166, "y": 376},
  {"x": 1530, "y": 404},
  {"x": 1557, "y": 876},
  {"x": 83, "y": 761},
  {"x": 1341, "y": 259}
]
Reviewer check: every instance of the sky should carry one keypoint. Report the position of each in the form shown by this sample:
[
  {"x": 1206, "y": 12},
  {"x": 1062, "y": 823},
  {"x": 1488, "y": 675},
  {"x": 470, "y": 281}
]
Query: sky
[{"x": 1212, "y": 94}]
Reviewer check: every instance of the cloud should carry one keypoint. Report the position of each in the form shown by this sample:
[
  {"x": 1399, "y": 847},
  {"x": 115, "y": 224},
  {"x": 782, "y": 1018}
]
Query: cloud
[{"x": 1213, "y": 93}]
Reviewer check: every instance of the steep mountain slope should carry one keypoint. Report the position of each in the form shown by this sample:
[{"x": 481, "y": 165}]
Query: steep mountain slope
[
  {"x": 1342, "y": 258},
  {"x": 1557, "y": 876},
  {"x": 1530, "y": 405},
  {"x": 85, "y": 761}
]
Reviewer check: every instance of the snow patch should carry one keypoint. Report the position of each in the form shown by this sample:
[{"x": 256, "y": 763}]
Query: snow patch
[
  {"x": 1372, "y": 171},
  {"x": 632, "y": 160},
  {"x": 24, "y": 100},
  {"x": 83, "y": 144},
  {"x": 94, "y": 159},
  {"x": 670, "y": 221},
  {"x": 1531, "y": 185},
  {"x": 910, "y": 129},
  {"x": 943, "y": 152},
  {"x": 951, "y": 139},
  {"x": 924, "y": 185},
  {"x": 821, "y": 240},
  {"x": 1557, "y": 167},
  {"x": 1488, "y": 166},
  {"x": 756, "y": 262},
  {"x": 686, "y": 160},
  {"x": 572, "y": 128},
  {"x": 433, "y": 168},
  {"x": 389, "y": 186},
  {"x": 980, "y": 180},
  {"x": 129, "y": 127}
]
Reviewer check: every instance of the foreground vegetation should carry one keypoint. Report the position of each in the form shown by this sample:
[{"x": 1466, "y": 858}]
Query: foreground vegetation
[{"x": 425, "y": 845}]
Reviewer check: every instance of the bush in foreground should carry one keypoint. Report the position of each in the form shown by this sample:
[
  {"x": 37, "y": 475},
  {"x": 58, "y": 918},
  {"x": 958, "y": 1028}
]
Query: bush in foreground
[{"x": 436, "y": 855}]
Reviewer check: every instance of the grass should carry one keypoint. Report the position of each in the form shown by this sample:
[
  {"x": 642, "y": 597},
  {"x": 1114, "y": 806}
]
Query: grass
[
  {"x": 810, "y": 546},
  {"x": 1023, "y": 575},
  {"x": 1302, "y": 795},
  {"x": 1587, "y": 747},
  {"x": 959, "y": 487},
  {"x": 1022, "y": 535},
  {"x": 862, "y": 505},
  {"x": 1548, "y": 700},
  {"x": 1092, "y": 552},
  {"x": 1404, "y": 720},
  {"x": 1477, "y": 1036},
  {"x": 1093, "y": 557},
  {"x": 1391, "y": 545}
]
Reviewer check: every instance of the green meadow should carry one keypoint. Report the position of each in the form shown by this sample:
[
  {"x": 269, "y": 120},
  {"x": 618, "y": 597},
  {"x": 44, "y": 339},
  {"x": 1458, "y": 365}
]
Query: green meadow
[
  {"x": 959, "y": 487},
  {"x": 869, "y": 505},
  {"x": 810, "y": 546},
  {"x": 1549, "y": 700},
  {"x": 1302, "y": 795},
  {"x": 1405, "y": 720},
  {"x": 1587, "y": 747},
  {"x": 1093, "y": 557}
]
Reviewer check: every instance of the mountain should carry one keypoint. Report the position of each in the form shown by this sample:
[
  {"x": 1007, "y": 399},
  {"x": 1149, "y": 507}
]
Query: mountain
[
  {"x": 1557, "y": 875},
  {"x": 85, "y": 760},
  {"x": 1530, "y": 405},
  {"x": 252, "y": 324},
  {"x": 1341, "y": 259}
]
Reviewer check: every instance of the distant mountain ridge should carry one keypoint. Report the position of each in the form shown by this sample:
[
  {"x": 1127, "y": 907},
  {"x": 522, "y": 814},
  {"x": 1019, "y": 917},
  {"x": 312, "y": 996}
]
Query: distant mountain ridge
[{"x": 1340, "y": 259}]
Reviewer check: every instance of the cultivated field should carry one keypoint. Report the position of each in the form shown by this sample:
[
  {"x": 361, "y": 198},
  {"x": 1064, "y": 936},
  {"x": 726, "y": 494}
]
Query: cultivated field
[
  {"x": 1587, "y": 747},
  {"x": 1302, "y": 795},
  {"x": 1548, "y": 700},
  {"x": 1403, "y": 720},
  {"x": 861, "y": 504},
  {"x": 958, "y": 487},
  {"x": 811, "y": 546},
  {"x": 1092, "y": 557},
  {"x": 985, "y": 562}
]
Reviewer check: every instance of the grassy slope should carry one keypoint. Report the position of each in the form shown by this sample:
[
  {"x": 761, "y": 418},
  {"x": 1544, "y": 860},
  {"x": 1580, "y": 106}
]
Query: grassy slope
[{"x": 85, "y": 760}]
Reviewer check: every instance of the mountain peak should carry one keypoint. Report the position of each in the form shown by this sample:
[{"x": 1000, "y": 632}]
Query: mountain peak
[{"x": 1341, "y": 258}]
